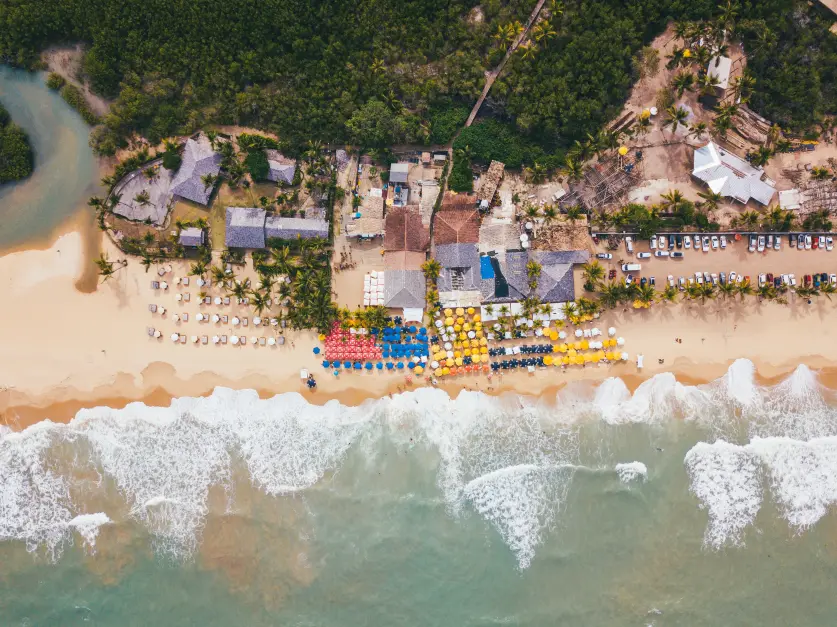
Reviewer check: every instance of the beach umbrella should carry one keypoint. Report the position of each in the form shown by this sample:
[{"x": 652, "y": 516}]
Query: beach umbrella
[
  {"x": 418, "y": 370},
  {"x": 178, "y": 297},
  {"x": 164, "y": 285},
  {"x": 316, "y": 350},
  {"x": 358, "y": 365},
  {"x": 257, "y": 321},
  {"x": 176, "y": 317},
  {"x": 326, "y": 364},
  {"x": 175, "y": 337},
  {"x": 624, "y": 356},
  {"x": 369, "y": 365},
  {"x": 216, "y": 318},
  {"x": 271, "y": 341},
  {"x": 379, "y": 365},
  {"x": 254, "y": 340},
  {"x": 620, "y": 341},
  {"x": 217, "y": 300},
  {"x": 336, "y": 373},
  {"x": 162, "y": 311},
  {"x": 236, "y": 321},
  {"x": 157, "y": 333},
  {"x": 195, "y": 339},
  {"x": 347, "y": 364},
  {"x": 390, "y": 365},
  {"x": 611, "y": 331},
  {"x": 579, "y": 332}
]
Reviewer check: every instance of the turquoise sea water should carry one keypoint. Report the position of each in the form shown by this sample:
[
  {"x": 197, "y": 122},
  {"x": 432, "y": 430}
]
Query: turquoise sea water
[
  {"x": 66, "y": 171},
  {"x": 676, "y": 505}
]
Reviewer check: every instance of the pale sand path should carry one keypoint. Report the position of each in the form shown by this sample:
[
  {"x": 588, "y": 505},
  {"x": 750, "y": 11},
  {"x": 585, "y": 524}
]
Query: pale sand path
[{"x": 58, "y": 345}]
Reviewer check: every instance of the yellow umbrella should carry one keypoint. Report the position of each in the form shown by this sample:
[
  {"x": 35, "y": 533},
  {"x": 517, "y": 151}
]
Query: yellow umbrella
[
  {"x": 466, "y": 326},
  {"x": 460, "y": 311},
  {"x": 571, "y": 352},
  {"x": 448, "y": 321},
  {"x": 458, "y": 361},
  {"x": 483, "y": 341},
  {"x": 687, "y": 53},
  {"x": 623, "y": 150},
  {"x": 418, "y": 369},
  {"x": 585, "y": 345},
  {"x": 563, "y": 348},
  {"x": 480, "y": 335},
  {"x": 438, "y": 372},
  {"x": 484, "y": 350},
  {"x": 457, "y": 328},
  {"x": 460, "y": 320},
  {"x": 322, "y": 336},
  {"x": 457, "y": 354},
  {"x": 470, "y": 311},
  {"x": 449, "y": 362},
  {"x": 556, "y": 348},
  {"x": 446, "y": 371},
  {"x": 609, "y": 355},
  {"x": 463, "y": 336},
  {"x": 553, "y": 336},
  {"x": 596, "y": 357},
  {"x": 448, "y": 312},
  {"x": 477, "y": 318},
  {"x": 466, "y": 352},
  {"x": 548, "y": 360}
]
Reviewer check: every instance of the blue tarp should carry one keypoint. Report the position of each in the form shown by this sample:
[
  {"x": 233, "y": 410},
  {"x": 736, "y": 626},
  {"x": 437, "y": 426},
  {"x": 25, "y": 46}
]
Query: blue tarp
[{"x": 486, "y": 269}]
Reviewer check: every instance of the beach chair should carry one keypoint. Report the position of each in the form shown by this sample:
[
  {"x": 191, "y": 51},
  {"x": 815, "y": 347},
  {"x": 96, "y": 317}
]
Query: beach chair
[
  {"x": 182, "y": 339},
  {"x": 152, "y": 308},
  {"x": 262, "y": 341},
  {"x": 242, "y": 341},
  {"x": 204, "y": 339},
  {"x": 226, "y": 300},
  {"x": 223, "y": 339},
  {"x": 185, "y": 317},
  {"x": 246, "y": 301},
  {"x": 225, "y": 319},
  {"x": 150, "y": 331},
  {"x": 155, "y": 285},
  {"x": 245, "y": 322},
  {"x": 280, "y": 340},
  {"x": 186, "y": 281},
  {"x": 187, "y": 297}
]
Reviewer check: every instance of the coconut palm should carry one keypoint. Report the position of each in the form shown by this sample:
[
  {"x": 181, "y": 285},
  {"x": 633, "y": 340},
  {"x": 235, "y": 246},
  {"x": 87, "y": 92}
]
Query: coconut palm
[
  {"x": 143, "y": 198},
  {"x": 698, "y": 130},
  {"x": 676, "y": 117},
  {"x": 543, "y": 30},
  {"x": 209, "y": 180},
  {"x": 727, "y": 289},
  {"x": 198, "y": 269},
  {"x": 710, "y": 200},
  {"x": 778, "y": 220},
  {"x": 549, "y": 214},
  {"x": 219, "y": 274},
  {"x": 761, "y": 156},
  {"x": 745, "y": 289},
  {"x": 260, "y": 302},
  {"x": 240, "y": 289},
  {"x": 593, "y": 272},
  {"x": 828, "y": 289},
  {"x": 820, "y": 174},
  {"x": 668, "y": 295},
  {"x": 431, "y": 269},
  {"x": 647, "y": 294},
  {"x": 573, "y": 169},
  {"x": 574, "y": 213},
  {"x": 673, "y": 199},
  {"x": 683, "y": 81},
  {"x": 708, "y": 83},
  {"x": 766, "y": 292},
  {"x": 743, "y": 86},
  {"x": 704, "y": 291},
  {"x": 536, "y": 174},
  {"x": 611, "y": 294},
  {"x": 749, "y": 220}
]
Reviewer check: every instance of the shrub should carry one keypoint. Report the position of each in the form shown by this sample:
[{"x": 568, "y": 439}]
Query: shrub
[
  {"x": 445, "y": 123},
  {"x": 171, "y": 160},
  {"x": 461, "y": 177},
  {"x": 55, "y": 81},
  {"x": 256, "y": 164},
  {"x": 76, "y": 100},
  {"x": 491, "y": 140}
]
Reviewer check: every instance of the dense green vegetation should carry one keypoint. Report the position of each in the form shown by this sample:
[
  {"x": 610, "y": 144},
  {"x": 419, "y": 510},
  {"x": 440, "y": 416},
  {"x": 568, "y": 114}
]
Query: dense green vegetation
[
  {"x": 16, "y": 160},
  {"x": 384, "y": 71},
  {"x": 75, "y": 99},
  {"x": 55, "y": 81}
]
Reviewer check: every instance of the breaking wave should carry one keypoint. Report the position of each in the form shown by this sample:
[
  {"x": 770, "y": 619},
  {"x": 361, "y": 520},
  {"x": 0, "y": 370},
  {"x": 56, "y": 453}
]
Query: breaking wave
[{"x": 509, "y": 460}]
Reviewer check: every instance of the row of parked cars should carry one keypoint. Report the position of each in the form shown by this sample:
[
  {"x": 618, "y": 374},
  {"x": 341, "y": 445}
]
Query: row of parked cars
[
  {"x": 802, "y": 241},
  {"x": 722, "y": 278}
]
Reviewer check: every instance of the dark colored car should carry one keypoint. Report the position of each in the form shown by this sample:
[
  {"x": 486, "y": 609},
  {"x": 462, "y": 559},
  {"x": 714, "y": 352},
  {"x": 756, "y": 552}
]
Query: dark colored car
[
  {"x": 792, "y": 240},
  {"x": 643, "y": 281},
  {"x": 816, "y": 280},
  {"x": 611, "y": 274},
  {"x": 824, "y": 277},
  {"x": 679, "y": 240},
  {"x": 770, "y": 277},
  {"x": 676, "y": 255},
  {"x": 723, "y": 277},
  {"x": 777, "y": 282},
  {"x": 807, "y": 279},
  {"x": 670, "y": 242},
  {"x": 653, "y": 281}
]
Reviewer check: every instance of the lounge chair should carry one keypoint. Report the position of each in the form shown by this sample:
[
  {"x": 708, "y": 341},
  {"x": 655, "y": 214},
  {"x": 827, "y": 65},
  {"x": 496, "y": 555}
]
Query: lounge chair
[
  {"x": 185, "y": 317},
  {"x": 207, "y": 300},
  {"x": 155, "y": 285},
  {"x": 204, "y": 339},
  {"x": 226, "y": 300},
  {"x": 280, "y": 340},
  {"x": 150, "y": 331},
  {"x": 262, "y": 341},
  {"x": 225, "y": 319},
  {"x": 187, "y": 297},
  {"x": 242, "y": 340},
  {"x": 245, "y": 321},
  {"x": 186, "y": 281},
  {"x": 182, "y": 339},
  {"x": 223, "y": 339},
  {"x": 152, "y": 308}
]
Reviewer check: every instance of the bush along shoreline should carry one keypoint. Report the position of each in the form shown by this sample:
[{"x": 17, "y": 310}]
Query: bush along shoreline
[{"x": 16, "y": 158}]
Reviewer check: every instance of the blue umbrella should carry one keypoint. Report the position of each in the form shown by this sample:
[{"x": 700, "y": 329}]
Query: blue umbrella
[
  {"x": 412, "y": 329},
  {"x": 423, "y": 331},
  {"x": 379, "y": 365},
  {"x": 335, "y": 364},
  {"x": 357, "y": 365},
  {"x": 411, "y": 365},
  {"x": 369, "y": 365},
  {"x": 326, "y": 364},
  {"x": 401, "y": 365},
  {"x": 316, "y": 350},
  {"x": 347, "y": 364},
  {"x": 390, "y": 365},
  {"x": 336, "y": 372}
]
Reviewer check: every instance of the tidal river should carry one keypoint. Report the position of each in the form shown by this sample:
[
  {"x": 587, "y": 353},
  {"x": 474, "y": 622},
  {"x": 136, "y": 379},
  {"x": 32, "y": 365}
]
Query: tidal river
[{"x": 66, "y": 170}]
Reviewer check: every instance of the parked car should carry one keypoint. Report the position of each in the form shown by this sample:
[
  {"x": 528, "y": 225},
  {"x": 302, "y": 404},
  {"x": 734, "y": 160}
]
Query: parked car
[
  {"x": 653, "y": 280},
  {"x": 792, "y": 240},
  {"x": 644, "y": 255},
  {"x": 821, "y": 240},
  {"x": 643, "y": 281},
  {"x": 732, "y": 277},
  {"x": 785, "y": 279},
  {"x": 752, "y": 247},
  {"x": 653, "y": 243},
  {"x": 770, "y": 277},
  {"x": 629, "y": 244},
  {"x": 792, "y": 280},
  {"x": 679, "y": 240},
  {"x": 670, "y": 242},
  {"x": 662, "y": 240},
  {"x": 677, "y": 255},
  {"x": 761, "y": 244},
  {"x": 699, "y": 278},
  {"x": 833, "y": 279},
  {"x": 770, "y": 241},
  {"x": 723, "y": 277},
  {"x": 723, "y": 241},
  {"x": 777, "y": 243},
  {"x": 714, "y": 279},
  {"x": 707, "y": 277},
  {"x": 762, "y": 279},
  {"x": 824, "y": 278},
  {"x": 629, "y": 279},
  {"x": 682, "y": 283},
  {"x": 687, "y": 242},
  {"x": 611, "y": 274},
  {"x": 829, "y": 243},
  {"x": 816, "y": 243},
  {"x": 800, "y": 241},
  {"x": 631, "y": 267},
  {"x": 714, "y": 242},
  {"x": 604, "y": 256},
  {"x": 705, "y": 243},
  {"x": 806, "y": 279},
  {"x": 777, "y": 282},
  {"x": 816, "y": 280},
  {"x": 807, "y": 242},
  {"x": 661, "y": 253},
  {"x": 671, "y": 280}
]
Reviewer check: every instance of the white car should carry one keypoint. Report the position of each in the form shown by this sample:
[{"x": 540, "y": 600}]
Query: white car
[
  {"x": 662, "y": 242},
  {"x": 653, "y": 243},
  {"x": 682, "y": 283},
  {"x": 714, "y": 242},
  {"x": 723, "y": 241},
  {"x": 671, "y": 280},
  {"x": 761, "y": 244},
  {"x": 769, "y": 242},
  {"x": 829, "y": 243},
  {"x": 661, "y": 253},
  {"x": 792, "y": 280},
  {"x": 833, "y": 279},
  {"x": 705, "y": 243},
  {"x": 699, "y": 278},
  {"x": 732, "y": 277},
  {"x": 752, "y": 247},
  {"x": 821, "y": 242},
  {"x": 714, "y": 279},
  {"x": 629, "y": 244},
  {"x": 777, "y": 243},
  {"x": 643, "y": 255},
  {"x": 762, "y": 279},
  {"x": 807, "y": 242},
  {"x": 687, "y": 241}
]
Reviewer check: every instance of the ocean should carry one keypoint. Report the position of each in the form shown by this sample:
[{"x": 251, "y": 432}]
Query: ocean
[{"x": 674, "y": 505}]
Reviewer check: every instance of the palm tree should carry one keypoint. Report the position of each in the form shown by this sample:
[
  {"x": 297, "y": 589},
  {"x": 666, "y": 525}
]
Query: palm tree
[
  {"x": 828, "y": 289},
  {"x": 727, "y": 289},
  {"x": 708, "y": 83},
  {"x": 698, "y": 130},
  {"x": 574, "y": 213},
  {"x": 683, "y": 81},
  {"x": 778, "y": 220},
  {"x": 745, "y": 289},
  {"x": 743, "y": 86},
  {"x": 647, "y": 294},
  {"x": 219, "y": 274},
  {"x": 749, "y": 220},
  {"x": 431, "y": 269},
  {"x": 766, "y": 292},
  {"x": 710, "y": 200},
  {"x": 240, "y": 289},
  {"x": 676, "y": 117},
  {"x": 761, "y": 156},
  {"x": 198, "y": 269},
  {"x": 722, "y": 125},
  {"x": 543, "y": 30},
  {"x": 705, "y": 291},
  {"x": 573, "y": 170},
  {"x": 536, "y": 174},
  {"x": 549, "y": 214},
  {"x": 209, "y": 180},
  {"x": 804, "y": 291},
  {"x": 106, "y": 267},
  {"x": 669, "y": 294},
  {"x": 147, "y": 261},
  {"x": 259, "y": 301},
  {"x": 593, "y": 272},
  {"x": 673, "y": 199},
  {"x": 611, "y": 294},
  {"x": 143, "y": 198},
  {"x": 820, "y": 174}
]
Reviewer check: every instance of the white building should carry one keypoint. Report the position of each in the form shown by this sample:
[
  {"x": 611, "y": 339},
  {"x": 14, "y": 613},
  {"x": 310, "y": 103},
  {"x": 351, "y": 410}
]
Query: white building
[{"x": 731, "y": 176}]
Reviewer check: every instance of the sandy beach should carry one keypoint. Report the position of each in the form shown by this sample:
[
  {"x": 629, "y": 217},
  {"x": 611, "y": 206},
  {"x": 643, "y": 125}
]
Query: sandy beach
[{"x": 63, "y": 349}]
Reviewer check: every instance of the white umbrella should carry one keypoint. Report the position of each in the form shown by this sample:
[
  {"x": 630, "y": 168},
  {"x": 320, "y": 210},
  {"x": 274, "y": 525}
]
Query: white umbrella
[
  {"x": 611, "y": 331},
  {"x": 530, "y": 323},
  {"x": 579, "y": 332},
  {"x": 445, "y": 337},
  {"x": 178, "y": 297},
  {"x": 562, "y": 335},
  {"x": 162, "y": 310},
  {"x": 587, "y": 333},
  {"x": 175, "y": 337},
  {"x": 168, "y": 268},
  {"x": 217, "y": 300},
  {"x": 236, "y": 321},
  {"x": 195, "y": 339},
  {"x": 234, "y": 339},
  {"x": 157, "y": 333},
  {"x": 594, "y": 332},
  {"x": 538, "y": 332},
  {"x": 271, "y": 340},
  {"x": 201, "y": 282},
  {"x": 215, "y": 317},
  {"x": 450, "y": 354},
  {"x": 177, "y": 281},
  {"x": 472, "y": 334},
  {"x": 451, "y": 329},
  {"x": 257, "y": 321},
  {"x": 439, "y": 324},
  {"x": 255, "y": 340},
  {"x": 164, "y": 285},
  {"x": 274, "y": 321},
  {"x": 448, "y": 346},
  {"x": 624, "y": 356},
  {"x": 434, "y": 364},
  {"x": 620, "y": 341},
  {"x": 215, "y": 339},
  {"x": 177, "y": 317},
  {"x": 199, "y": 317},
  {"x": 497, "y": 326}
]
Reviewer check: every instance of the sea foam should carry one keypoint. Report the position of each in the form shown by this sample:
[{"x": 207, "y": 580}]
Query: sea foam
[{"x": 631, "y": 471}]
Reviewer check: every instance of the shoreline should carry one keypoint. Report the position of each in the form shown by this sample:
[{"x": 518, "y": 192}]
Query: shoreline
[{"x": 23, "y": 412}]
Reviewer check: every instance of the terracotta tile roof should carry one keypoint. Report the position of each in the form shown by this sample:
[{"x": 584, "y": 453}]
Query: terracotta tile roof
[
  {"x": 404, "y": 231},
  {"x": 456, "y": 227},
  {"x": 404, "y": 260},
  {"x": 458, "y": 202}
]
